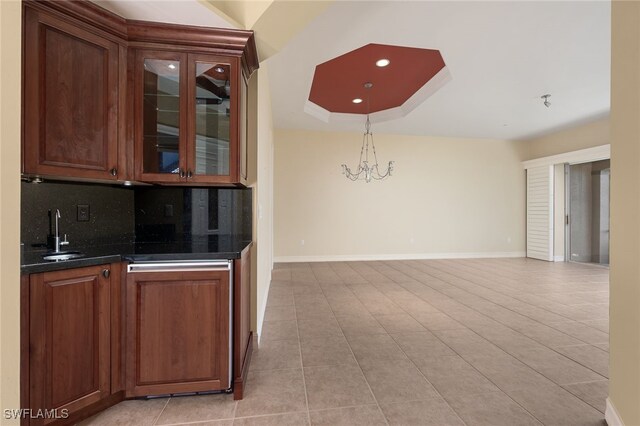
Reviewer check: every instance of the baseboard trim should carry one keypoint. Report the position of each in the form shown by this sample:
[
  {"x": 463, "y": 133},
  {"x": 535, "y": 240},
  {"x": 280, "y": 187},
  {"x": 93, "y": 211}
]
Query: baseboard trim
[
  {"x": 558, "y": 258},
  {"x": 611, "y": 415},
  {"x": 407, "y": 256}
]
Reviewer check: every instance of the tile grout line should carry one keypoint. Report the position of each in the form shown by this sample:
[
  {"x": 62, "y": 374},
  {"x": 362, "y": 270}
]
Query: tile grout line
[
  {"x": 456, "y": 274},
  {"x": 453, "y": 286},
  {"x": 198, "y": 422},
  {"x": 235, "y": 407},
  {"x": 588, "y": 403},
  {"x": 414, "y": 364},
  {"x": 354, "y": 357},
  {"x": 342, "y": 408},
  {"x": 516, "y": 331},
  {"x": 583, "y": 382},
  {"x": 483, "y": 375},
  {"x": 304, "y": 382},
  {"x": 493, "y": 319},
  {"x": 536, "y": 306},
  {"x": 254, "y": 416},
  {"x": 458, "y": 354},
  {"x": 155, "y": 422},
  {"x": 288, "y": 282}
]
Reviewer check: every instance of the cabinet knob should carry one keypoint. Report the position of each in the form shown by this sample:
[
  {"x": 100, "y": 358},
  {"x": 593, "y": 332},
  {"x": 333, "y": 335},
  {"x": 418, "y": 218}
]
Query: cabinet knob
[
  {"x": 189, "y": 174},
  {"x": 181, "y": 173},
  {"x": 106, "y": 273},
  {"x": 114, "y": 172}
]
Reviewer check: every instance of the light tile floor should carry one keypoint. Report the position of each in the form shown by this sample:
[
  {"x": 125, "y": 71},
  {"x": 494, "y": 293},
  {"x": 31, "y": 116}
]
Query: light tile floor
[{"x": 433, "y": 342}]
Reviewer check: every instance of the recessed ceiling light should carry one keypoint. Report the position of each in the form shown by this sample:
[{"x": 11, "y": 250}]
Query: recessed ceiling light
[
  {"x": 219, "y": 70},
  {"x": 171, "y": 66},
  {"x": 357, "y": 101},
  {"x": 382, "y": 62}
]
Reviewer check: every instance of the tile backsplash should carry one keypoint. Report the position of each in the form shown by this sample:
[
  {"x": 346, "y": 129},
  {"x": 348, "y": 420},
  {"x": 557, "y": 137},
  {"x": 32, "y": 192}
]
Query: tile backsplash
[
  {"x": 179, "y": 213},
  {"x": 146, "y": 213},
  {"x": 111, "y": 212}
]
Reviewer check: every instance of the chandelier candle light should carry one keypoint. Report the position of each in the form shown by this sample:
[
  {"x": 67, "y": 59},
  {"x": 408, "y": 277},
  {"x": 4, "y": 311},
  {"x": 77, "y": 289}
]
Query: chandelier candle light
[{"x": 367, "y": 171}]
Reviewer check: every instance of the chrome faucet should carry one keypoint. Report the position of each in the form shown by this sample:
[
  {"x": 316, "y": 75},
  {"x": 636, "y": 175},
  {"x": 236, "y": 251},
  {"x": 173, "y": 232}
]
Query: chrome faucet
[{"x": 56, "y": 238}]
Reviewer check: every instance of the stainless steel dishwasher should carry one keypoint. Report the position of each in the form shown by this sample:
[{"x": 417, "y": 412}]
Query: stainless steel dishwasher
[{"x": 165, "y": 266}]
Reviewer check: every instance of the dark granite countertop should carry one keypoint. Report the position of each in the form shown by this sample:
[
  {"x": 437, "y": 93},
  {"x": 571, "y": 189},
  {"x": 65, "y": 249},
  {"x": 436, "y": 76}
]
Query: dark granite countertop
[{"x": 195, "y": 248}]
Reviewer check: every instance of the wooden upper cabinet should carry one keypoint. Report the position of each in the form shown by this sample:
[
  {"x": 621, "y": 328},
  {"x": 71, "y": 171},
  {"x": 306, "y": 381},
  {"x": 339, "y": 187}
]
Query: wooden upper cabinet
[
  {"x": 69, "y": 339},
  {"x": 72, "y": 83},
  {"x": 189, "y": 127},
  {"x": 110, "y": 99},
  {"x": 190, "y": 103}
]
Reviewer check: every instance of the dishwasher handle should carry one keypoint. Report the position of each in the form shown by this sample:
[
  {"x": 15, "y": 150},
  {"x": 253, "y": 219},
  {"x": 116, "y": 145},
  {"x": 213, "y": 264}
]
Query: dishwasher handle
[{"x": 180, "y": 266}]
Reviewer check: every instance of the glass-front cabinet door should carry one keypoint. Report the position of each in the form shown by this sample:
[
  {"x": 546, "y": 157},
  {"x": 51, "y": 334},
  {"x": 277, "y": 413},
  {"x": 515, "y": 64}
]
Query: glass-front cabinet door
[
  {"x": 160, "y": 116},
  {"x": 186, "y": 123},
  {"x": 212, "y": 148}
]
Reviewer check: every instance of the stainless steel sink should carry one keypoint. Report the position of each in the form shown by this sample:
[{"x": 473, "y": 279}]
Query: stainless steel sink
[{"x": 64, "y": 255}]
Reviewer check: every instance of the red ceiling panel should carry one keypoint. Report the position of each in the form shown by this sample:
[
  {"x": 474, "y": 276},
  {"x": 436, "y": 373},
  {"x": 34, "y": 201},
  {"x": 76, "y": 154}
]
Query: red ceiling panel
[{"x": 338, "y": 81}]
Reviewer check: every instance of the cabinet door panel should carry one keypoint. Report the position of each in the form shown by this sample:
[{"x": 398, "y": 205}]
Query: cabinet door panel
[
  {"x": 212, "y": 146},
  {"x": 178, "y": 326},
  {"x": 243, "y": 337},
  {"x": 73, "y": 343},
  {"x": 211, "y": 114},
  {"x": 160, "y": 116},
  {"x": 71, "y": 92},
  {"x": 69, "y": 338}
]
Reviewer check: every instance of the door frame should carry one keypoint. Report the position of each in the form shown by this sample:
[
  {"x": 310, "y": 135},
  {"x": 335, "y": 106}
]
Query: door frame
[{"x": 587, "y": 155}]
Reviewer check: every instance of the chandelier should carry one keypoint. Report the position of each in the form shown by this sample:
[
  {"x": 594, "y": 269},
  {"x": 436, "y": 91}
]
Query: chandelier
[{"x": 367, "y": 170}]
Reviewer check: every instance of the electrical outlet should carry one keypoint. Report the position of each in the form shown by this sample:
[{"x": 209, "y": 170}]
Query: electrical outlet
[
  {"x": 168, "y": 210},
  {"x": 83, "y": 213}
]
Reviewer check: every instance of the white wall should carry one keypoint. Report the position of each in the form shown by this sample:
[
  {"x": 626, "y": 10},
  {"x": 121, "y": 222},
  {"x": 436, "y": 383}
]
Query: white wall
[
  {"x": 624, "y": 356},
  {"x": 264, "y": 235},
  {"x": 10, "y": 54},
  {"x": 587, "y": 135},
  {"x": 447, "y": 198}
]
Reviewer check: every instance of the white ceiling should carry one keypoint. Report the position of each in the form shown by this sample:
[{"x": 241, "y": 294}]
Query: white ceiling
[
  {"x": 502, "y": 57},
  {"x": 185, "y": 12}
]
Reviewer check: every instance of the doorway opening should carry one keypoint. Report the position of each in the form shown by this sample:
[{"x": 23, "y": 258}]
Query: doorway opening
[{"x": 587, "y": 212}]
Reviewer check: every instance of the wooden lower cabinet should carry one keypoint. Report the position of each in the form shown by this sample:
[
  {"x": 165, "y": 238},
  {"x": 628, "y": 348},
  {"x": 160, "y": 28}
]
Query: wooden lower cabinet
[
  {"x": 68, "y": 368},
  {"x": 177, "y": 332},
  {"x": 242, "y": 334},
  {"x": 187, "y": 331}
]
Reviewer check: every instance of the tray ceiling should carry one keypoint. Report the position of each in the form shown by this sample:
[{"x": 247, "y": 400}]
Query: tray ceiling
[{"x": 502, "y": 56}]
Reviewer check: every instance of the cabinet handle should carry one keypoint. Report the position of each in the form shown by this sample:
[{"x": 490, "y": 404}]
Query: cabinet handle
[
  {"x": 106, "y": 273},
  {"x": 189, "y": 174},
  {"x": 114, "y": 172},
  {"x": 181, "y": 173}
]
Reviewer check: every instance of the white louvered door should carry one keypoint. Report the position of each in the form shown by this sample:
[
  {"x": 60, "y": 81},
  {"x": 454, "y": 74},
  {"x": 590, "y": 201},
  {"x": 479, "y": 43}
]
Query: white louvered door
[{"x": 540, "y": 213}]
